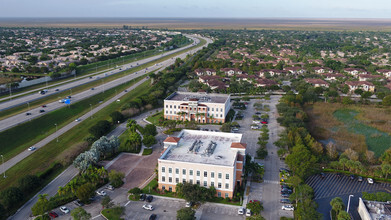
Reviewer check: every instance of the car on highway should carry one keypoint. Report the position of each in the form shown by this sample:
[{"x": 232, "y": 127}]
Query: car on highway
[
  {"x": 90, "y": 77},
  {"x": 241, "y": 211},
  {"x": 126, "y": 90},
  {"x": 53, "y": 214},
  {"x": 152, "y": 217},
  {"x": 56, "y": 90},
  {"x": 32, "y": 148},
  {"x": 77, "y": 119},
  {"x": 288, "y": 207},
  {"x": 69, "y": 97},
  {"x": 28, "y": 113},
  {"x": 64, "y": 209},
  {"x": 248, "y": 212},
  {"x": 41, "y": 111},
  {"x": 43, "y": 106},
  {"x": 370, "y": 180},
  {"x": 92, "y": 88},
  {"x": 101, "y": 193},
  {"x": 148, "y": 207},
  {"x": 61, "y": 101}
]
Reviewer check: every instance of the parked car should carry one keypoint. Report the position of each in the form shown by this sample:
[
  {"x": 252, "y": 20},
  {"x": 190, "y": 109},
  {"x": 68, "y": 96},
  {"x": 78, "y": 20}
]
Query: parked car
[
  {"x": 241, "y": 211},
  {"x": 148, "y": 207},
  {"x": 370, "y": 180},
  {"x": 248, "y": 212},
  {"x": 152, "y": 217},
  {"x": 189, "y": 204},
  {"x": 78, "y": 203},
  {"x": 352, "y": 177},
  {"x": 254, "y": 127},
  {"x": 32, "y": 148},
  {"x": 53, "y": 214},
  {"x": 64, "y": 209},
  {"x": 284, "y": 170},
  {"x": 143, "y": 197},
  {"x": 339, "y": 175},
  {"x": 101, "y": 193},
  {"x": 285, "y": 201},
  {"x": 359, "y": 179},
  {"x": 285, "y": 195},
  {"x": 322, "y": 175},
  {"x": 288, "y": 207},
  {"x": 285, "y": 190},
  {"x": 264, "y": 122},
  {"x": 149, "y": 198},
  {"x": 110, "y": 187}
]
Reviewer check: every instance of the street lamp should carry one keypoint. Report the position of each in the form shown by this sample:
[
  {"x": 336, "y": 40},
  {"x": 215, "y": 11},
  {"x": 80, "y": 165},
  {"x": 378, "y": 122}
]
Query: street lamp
[
  {"x": 347, "y": 208},
  {"x": 56, "y": 131},
  {"x": 2, "y": 158}
]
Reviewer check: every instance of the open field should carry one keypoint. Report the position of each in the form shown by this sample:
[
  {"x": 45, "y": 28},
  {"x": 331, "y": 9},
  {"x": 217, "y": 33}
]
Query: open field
[
  {"x": 204, "y": 23},
  {"x": 356, "y": 127}
]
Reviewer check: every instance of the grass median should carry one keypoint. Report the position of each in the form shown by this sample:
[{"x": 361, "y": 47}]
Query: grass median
[{"x": 59, "y": 151}]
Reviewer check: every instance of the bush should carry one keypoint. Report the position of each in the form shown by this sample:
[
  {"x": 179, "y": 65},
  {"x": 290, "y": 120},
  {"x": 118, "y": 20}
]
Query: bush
[
  {"x": 149, "y": 140},
  {"x": 85, "y": 192},
  {"x": 100, "y": 128},
  {"x": 116, "y": 117},
  {"x": 29, "y": 183},
  {"x": 11, "y": 197},
  {"x": 149, "y": 129},
  {"x": 43, "y": 217},
  {"x": 115, "y": 178},
  {"x": 147, "y": 151},
  {"x": 185, "y": 214},
  {"x": 114, "y": 213}
]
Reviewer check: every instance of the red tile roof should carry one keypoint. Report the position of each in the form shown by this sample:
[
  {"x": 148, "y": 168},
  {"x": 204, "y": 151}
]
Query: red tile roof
[
  {"x": 172, "y": 139},
  {"x": 238, "y": 145}
]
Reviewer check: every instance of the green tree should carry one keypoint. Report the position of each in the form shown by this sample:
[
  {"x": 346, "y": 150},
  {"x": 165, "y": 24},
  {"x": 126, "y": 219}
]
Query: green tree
[
  {"x": 255, "y": 207},
  {"x": 106, "y": 202},
  {"x": 41, "y": 206},
  {"x": 150, "y": 129},
  {"x": 100, "y": 128},
  {"x": 116, "y": 117},
  {"x": 386, "y": 169},
  {"x": 115, "y": 178},
  {"x": 29, "y": 183},
  {"x": 226, "y": 127},
  {"x": 85, "y": 192},
  {"x": 343, "y": 215},
  {"x": 347, "y": 101},
  {"x": 149, "y": 140},
  {"x": 80, "y": 214},
  {"x": 387, "y": 100},
  {"x": 195, "y": 193},
  {"x": 11, "y": 197},
  {"x": 185, "y": 214},
  {"x": 301, "y": 161},
  {"x": 337, "y": 204}
]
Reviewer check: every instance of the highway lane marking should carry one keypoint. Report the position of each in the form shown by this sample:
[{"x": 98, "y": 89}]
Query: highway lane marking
[{"x": 127, "y": 203}]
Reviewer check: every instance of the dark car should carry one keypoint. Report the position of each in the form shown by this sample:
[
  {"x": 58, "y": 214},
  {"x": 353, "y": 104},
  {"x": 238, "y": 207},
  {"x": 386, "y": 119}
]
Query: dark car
[
  {"x": 78, "y": 203},
  {"x": 322, "y": 175},
  {"x": 285, "y": 195},
  {"x": 69, "y": 97},
  {"x": 287, "y": 191},
  {"x": 284, "y": 186},
  {"x": 142, "y": 197},
  {"x": 339, "y": 175},
  {"x": 285, "y": 201},
  {"x": 257, "y": 113},
  {"x": 43, "y": 106},
  {"x": 149, "y": 198},
  {"x": 41, "y": 111},
  {"x": 359, "y": 179},
  {"x": 152, "y": 217},
  {"x": 352, "y": 177},
  {"x": 284, "y": 170},
  {"x": 57, "y": 90},
  {"x": 28, "y": 113},
  {"x": 53, "y": 214}
]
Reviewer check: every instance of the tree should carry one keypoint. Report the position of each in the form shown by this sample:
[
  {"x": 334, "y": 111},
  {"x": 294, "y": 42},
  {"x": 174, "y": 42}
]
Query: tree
[
  {"x": 358, "y": 91},
  {"x": 100, "y": 128},
  {"x": 337, "y": 204},
  {"x": 386, "y": 169},
  {"x": 331, "y": 151},
  {"x": 41, "y": 206},
  {"x": 106, "y": 146},
  {"x": 11, "y": 197},
  {"x": 255, "y": 206},
  {"x": 80, "y": 214},
  {"x": 106, "y": 202},
  {"x": 343, "y": 215},
  {"x": 347, "y": 101},
  {"x": 86, "y": 159},
  {"x": 195, "y": 193},
  {"x": 185, "y": 214},
  {"x": 226, "y": 127},
  {"x": 351, "y": 154},
  {"x": 85, "y": 192},
  {"x": 115, "y": 178},
  {"x": 386, "y": 157},
  {"x": 150, "y": 129},
  {"x": 116, "y": 117},
  {"x": 301, "y": 161},
  {"x": 149, "y": 140},
  {"x": 72, "y": 66},
  {"x": 387, "y": 100},
  {"x": 29, "y": 183}
]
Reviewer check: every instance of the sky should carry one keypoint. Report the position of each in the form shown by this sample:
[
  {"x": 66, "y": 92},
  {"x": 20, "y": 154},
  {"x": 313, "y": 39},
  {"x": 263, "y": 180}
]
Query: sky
[{"x": 198, "y": 8}]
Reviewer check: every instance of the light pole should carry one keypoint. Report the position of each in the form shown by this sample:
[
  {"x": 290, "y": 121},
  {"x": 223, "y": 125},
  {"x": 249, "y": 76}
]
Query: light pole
[
  {"x": 347, "y": 208},
  {"x": 56, "y": 131},
  {"x": 91, "y": 111},
  {"x": 2, "y": 158},
  {"x": 28, "y": 106},
  {"x": 103, "y": 84}
]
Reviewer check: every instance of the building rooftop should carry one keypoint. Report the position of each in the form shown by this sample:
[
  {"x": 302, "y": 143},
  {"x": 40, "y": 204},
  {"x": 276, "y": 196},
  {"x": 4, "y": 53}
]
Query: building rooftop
[
  {"x": 201, "y": 97},
  {"x": 206, "y": 147},
  {"x": 378, "y": 210}
]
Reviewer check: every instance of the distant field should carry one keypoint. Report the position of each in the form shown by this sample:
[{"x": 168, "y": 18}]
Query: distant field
[
  {"x": 356, "y": 127},
  {"x": 204, "y": 23}
]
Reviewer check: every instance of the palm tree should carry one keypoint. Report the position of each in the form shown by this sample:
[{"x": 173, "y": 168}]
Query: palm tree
[
  {"x": 343, "y": 162},
  {"x": 337, "y": 204},
  {"x": 386, "y": 169}
]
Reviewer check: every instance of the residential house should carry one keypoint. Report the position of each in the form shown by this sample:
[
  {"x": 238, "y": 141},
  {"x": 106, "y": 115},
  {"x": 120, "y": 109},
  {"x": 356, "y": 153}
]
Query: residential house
[
  {"x": 355, "y": 71},
  {"x": 386, "y": 73},
  {"x": 366, "y": 77},
  {"x": 295, "y": 70},
  {"x": 317, "y": 82},
  {"x": 364, "y": 85},
  {"x": 265, "y": 82},
  {"x": 332, "y": 77},
  {"x": 206, "y": 71},
  {"x": 320, "y": 70},
  {"x": 231, "y": 71}
]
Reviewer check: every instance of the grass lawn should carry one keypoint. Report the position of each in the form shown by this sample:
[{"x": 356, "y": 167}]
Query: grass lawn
[
  {"x": 154, "y": 119},
  {"x": 113, "y": 213},
  {"x": 58, "y": 152},
  {"x": 147, "y": 151}
]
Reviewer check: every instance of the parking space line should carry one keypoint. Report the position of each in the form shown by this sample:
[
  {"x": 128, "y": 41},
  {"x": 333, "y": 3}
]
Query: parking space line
[{"x": 96, "y": 216}]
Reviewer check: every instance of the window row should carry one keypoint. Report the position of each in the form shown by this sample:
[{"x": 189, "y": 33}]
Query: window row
[
  {"x": 198, "y": 182},
  {"x": 205, "y": 174},
  {"x": 200, "y": 109}
]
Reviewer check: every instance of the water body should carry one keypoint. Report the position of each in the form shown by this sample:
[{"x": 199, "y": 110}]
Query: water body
[{"x": 377, "y": 141}]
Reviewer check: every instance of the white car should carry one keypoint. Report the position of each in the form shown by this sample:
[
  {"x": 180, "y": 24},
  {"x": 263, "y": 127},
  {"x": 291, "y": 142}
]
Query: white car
[
  {"x": 189, "y": 204},
  {"x": 370, "y": 180},
  {"x": 64, "y": 209},
  {"x": 288, "y": 207},
  {"x": 78, "y": 119},
  {"x": 110, "y": 187},
  {"x": 61, "y": 101},
  {"x": 241, "y": 211},
  {"x": 148, "y": 207},
  {"x": 101, "y": 193},
  {"x": 32, "y": 148},
  {"x": 254, "y": 127},
  {"x": 248, "y": 212}
]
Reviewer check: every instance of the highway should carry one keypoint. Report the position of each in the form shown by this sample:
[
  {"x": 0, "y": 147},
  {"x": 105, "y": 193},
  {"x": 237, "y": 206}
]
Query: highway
[
  {"x": 22, "y": 117},
  {"x": 25, "y": 211},
  {"x": 29, "y": 97}
]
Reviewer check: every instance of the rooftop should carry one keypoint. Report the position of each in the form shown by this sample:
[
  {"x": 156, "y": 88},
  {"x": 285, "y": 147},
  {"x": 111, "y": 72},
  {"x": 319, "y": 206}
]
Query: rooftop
[
  {"x": 200, "y": 96},
  {"x": 206, "y": 147}
]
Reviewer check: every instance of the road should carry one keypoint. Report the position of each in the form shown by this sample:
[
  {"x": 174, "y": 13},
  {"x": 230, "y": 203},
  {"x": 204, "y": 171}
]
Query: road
[
  {"x": 22, "y": 117},
  {"x": 83, "y": 80},
  {"x": 25, "y": 211}
]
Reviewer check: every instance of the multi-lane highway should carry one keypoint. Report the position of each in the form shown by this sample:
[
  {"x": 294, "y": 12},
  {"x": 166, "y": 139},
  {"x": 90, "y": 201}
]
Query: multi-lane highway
[{"x": 23, "y": 117}]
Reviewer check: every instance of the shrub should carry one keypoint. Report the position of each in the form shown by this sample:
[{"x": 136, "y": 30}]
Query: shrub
[{"x": 115, "y": 178}]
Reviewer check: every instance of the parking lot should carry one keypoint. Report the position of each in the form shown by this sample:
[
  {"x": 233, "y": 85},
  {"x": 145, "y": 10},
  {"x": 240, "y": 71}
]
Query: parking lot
[
  {"x": 332, "y": 186},
  {"x": 216, "y": 211}
]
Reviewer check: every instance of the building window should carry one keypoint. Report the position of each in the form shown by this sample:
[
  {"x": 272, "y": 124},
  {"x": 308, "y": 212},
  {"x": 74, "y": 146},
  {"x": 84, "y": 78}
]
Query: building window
[
  {"x": 176, "y": 180},
  {"x": 221, "y": 115},
  {"x": 212, "y": 184},
  {"x": 176, "y": 170},
  {"x": 170, "y": 112},
  {"x": 213, "y": 109},
  {"x": 191, "y": 181},
  {"x": 170, "y": 106},
  {"x": 198, "y": 182},
  {"x": 166, "y": 106},
  {"x": 166, "y": 112},
  {"x": 163, "y": 169},
  {"x": 219, "y": 185},
  {"x": 227, "y": 185},
  {"x": 175, "y": 106},
  {"x": 169, "y": 170},
  {"x": 191, "y": 172},
  {"x": 184, "y": 181},
  {"x": 221, "y": 110},
  {"x": 205, "y": 183},
  {"x": 226, "y": 195},
  {"x": 170, "y": 179},
  {"x": 219, "y": 194},
  {"x": 198, "y": 173},
  {"x": 205, "y": 173},
  {"x": 227, "y": 176},
  {"x": 163, "y": 188},
  {"x": 212, "y": 174},
  {"x": 220, "y": 175},
  {"x": 163, "y": 179},
  {"x": 184, "y": 171},
  {"x": 170, "y": 189}
]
